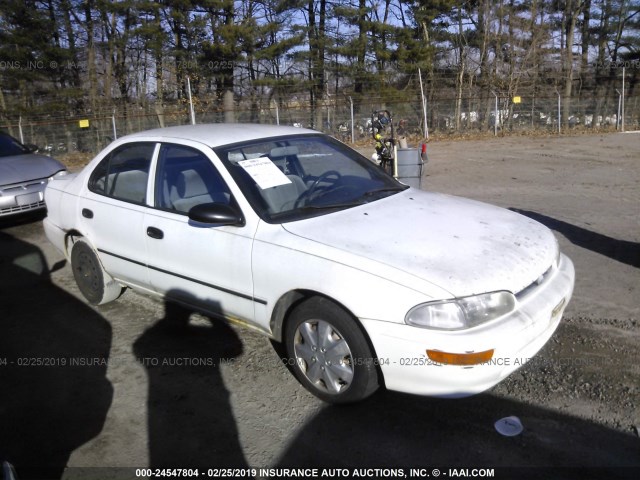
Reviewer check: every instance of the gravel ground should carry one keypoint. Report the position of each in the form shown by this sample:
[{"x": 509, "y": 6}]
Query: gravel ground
[{"x": 578, "y": 400}]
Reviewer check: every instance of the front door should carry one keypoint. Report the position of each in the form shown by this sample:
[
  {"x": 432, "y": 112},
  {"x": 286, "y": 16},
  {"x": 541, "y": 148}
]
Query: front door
[{"x": 200, "y": 264}]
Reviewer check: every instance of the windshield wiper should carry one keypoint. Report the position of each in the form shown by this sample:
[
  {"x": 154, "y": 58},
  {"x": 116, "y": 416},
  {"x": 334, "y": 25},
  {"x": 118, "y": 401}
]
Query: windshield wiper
[
  {"x": 331, "y": 206},
  {"x": 370, "y": 193},
  {"x": 316, "y": 208},
  {"x": 359, "y": 201},
  {"x": 340, "y": 206}
]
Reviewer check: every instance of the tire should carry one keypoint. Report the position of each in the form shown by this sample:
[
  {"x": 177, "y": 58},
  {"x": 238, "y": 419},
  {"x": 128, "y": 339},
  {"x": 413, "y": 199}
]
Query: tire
[
  {"x": 96, "y": 285},
  {"x": 328, "y": 352}
]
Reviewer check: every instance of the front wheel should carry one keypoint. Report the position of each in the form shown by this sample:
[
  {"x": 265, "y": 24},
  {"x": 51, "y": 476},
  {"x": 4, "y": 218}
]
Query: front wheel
[
  {"x": 96, "y": 285},
  {"x": 329, "y": 353}
]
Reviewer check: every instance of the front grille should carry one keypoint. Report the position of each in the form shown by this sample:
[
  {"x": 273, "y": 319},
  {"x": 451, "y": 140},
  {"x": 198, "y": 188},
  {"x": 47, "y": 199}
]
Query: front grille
[
  {"x": 9, "y": 195},
  {"x": 541, "y": 280},
  {"x": 21, "y": 208}
]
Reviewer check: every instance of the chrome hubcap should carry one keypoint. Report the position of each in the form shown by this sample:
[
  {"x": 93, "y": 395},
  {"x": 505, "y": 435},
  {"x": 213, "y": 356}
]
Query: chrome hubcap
[{"x": 324, "y": 356}]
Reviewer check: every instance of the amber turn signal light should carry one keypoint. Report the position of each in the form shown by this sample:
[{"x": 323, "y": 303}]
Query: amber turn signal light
[{"x": 465, "y": 359}]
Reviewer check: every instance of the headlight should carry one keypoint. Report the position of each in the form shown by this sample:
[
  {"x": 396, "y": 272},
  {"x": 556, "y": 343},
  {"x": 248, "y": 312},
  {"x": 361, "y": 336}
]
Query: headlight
[
  {"x": 461, "y": 313},
  {"x": 59, "y": 174}
]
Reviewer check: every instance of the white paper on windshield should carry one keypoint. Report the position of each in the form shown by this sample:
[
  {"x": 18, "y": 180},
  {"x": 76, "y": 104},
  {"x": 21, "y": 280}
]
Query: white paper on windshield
[{"x": 264, "y": 172}]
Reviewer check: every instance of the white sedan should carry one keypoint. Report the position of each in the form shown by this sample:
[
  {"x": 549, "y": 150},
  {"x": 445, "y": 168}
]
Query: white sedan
[{"x": 365, "y": 281}]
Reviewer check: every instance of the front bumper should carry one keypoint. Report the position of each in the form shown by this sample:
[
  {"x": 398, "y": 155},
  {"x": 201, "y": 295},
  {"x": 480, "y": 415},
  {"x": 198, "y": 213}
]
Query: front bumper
[
  {"x": 55, "y": 235},
  {"x": 516, "y": 338},
  {"x": 22, "y": 197}
]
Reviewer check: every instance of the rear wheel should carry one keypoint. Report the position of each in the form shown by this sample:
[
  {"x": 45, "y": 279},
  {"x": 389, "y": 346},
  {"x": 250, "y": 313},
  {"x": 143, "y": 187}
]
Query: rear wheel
[
  {"x": 329, "y": 353},
  {"x": 97, "y": 286}
]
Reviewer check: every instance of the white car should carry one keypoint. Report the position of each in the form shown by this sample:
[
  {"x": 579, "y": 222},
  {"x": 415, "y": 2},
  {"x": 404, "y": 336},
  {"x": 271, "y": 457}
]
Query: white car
[{"x": 367, "y": 282}]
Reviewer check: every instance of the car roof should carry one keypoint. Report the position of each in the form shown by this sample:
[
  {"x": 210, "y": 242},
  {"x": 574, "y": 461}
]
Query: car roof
[{"x": 217, "y": 134}]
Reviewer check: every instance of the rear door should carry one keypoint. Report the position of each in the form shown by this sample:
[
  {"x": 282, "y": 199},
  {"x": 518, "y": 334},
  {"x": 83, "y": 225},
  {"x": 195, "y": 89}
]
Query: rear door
[{"x": 112, "y": 211}]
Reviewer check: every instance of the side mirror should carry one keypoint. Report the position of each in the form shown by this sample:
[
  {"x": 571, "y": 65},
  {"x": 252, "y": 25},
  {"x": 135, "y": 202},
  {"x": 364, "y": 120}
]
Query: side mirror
[
  {"x": 216, "y": 214},
  {"x": 32, "y": 148}
]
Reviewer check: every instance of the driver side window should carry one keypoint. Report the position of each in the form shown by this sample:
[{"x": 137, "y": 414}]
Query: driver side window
[{"x": 186, "y": 178}]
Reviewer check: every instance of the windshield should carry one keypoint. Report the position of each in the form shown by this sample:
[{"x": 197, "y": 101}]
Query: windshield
[
  {"x": 296, "y": 177},
  {"x": 10, "y": 146}
]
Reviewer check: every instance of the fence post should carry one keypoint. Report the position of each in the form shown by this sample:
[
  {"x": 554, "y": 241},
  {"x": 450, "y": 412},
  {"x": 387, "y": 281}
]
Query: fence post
[
  {"x": 424, "y": 105},
  {"x": 495, "y": 115},
  {"x": 618, "y": 120},
  {"x": 193, "y": 114},
  {"x": 533, "y": 112},
  {"x": 328, "y": 116},
  {"x": 113, "y": 124},
  {"x": 353, "y": 136},
  {"x": 622, "y": 113},
  {"x": 559, "y": 120}
]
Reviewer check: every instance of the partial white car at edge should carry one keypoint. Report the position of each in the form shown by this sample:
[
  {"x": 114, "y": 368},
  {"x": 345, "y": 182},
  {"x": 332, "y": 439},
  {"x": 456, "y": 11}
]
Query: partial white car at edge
[{"x": 365, "y": 281}]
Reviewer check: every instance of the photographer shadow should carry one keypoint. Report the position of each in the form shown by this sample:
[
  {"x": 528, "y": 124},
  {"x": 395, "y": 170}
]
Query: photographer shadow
[
  {"x": 190, "y": 420},
  {"x": 394, "y": 430},
  {"x": 54, "y": 352}
]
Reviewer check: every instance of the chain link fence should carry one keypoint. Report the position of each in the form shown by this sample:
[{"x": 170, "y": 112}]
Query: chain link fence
[{"x": 485, "y": 113}]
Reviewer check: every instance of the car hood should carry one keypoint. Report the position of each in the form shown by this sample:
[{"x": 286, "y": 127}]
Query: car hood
[
  {"x": 31, "y": 166},
  {"x": 463, "y": 246}
]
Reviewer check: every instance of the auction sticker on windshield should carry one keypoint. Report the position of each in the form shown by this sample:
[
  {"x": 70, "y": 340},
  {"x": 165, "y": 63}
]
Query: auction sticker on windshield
[{"x": 264, "y": 172}]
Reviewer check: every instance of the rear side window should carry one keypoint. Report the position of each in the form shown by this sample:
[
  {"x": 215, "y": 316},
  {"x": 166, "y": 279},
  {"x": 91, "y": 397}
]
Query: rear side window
[{"x": 124, "y": 173}]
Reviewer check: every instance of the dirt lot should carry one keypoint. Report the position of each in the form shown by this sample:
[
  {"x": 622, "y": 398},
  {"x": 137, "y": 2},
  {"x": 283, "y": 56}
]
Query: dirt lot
[{"x": 579, "y": 400}]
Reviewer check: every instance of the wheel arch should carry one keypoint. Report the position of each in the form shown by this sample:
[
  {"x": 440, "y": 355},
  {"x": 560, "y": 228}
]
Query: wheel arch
[
  {"x": 290, "y": 300},
  {"x": 287, "y": 302},
  {"x": 72, "y": 237},
  {"x": 102, "y": 287},
  {"x": 69, "y": 239}
]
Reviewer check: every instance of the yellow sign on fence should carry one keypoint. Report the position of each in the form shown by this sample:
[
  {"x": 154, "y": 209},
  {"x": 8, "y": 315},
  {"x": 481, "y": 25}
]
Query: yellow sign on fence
[
  {"x": 517, "y": 100},
  {"x": 83, "y": 123}
]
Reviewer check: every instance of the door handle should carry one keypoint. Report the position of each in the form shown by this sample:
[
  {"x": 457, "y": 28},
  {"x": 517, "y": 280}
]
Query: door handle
[
  {"x": 86, "y": 213},
  {"x": 156, "y": 233}
]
